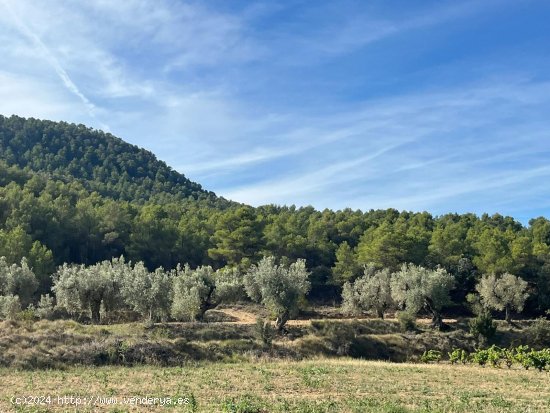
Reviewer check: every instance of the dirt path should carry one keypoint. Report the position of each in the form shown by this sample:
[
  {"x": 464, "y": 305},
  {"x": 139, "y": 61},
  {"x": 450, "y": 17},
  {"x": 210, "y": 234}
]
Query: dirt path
[{"x": 247, "y": 317}]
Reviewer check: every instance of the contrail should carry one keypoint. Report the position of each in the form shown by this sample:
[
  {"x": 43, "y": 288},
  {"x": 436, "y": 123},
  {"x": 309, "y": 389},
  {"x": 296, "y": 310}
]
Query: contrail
[{"x": 51, "y": 59}]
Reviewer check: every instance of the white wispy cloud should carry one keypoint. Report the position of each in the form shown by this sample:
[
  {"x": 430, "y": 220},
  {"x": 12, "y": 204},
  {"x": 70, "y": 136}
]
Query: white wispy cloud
[
  {"x": 45, "y": 52},
  {"x": 216, "y": 92},
  {"x": 445, "y": 137}
]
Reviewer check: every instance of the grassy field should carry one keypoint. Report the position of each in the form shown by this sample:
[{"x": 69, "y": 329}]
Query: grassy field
[{"x": 322, "y": 385}]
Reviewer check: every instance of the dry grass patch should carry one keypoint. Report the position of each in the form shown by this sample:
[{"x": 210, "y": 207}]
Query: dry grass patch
[{"x": 323, "y": 385}]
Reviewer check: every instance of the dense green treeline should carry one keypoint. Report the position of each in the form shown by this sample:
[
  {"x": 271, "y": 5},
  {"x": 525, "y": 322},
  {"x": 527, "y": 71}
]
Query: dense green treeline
[
  {"x": 51, "y": 222},
  {"x": 72, "y": 195}
]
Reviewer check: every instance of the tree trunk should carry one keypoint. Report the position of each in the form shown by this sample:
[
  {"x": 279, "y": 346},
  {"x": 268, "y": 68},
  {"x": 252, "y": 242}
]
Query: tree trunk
[
  {"x": 508, "y": 314},
  {"x": 437, "y": 320},
  {"x": 281, "y": 321},
  {"x": 380, "y": 313},
  {"x": 207, "y": 304},
  {"x": 95, "y": 307}
]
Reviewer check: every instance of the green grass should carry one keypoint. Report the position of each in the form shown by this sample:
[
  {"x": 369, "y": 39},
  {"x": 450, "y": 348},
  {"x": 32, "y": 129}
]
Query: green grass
[{"x": 321, "y": 385}]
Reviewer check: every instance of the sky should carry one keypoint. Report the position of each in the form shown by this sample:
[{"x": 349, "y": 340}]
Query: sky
[{"x": 439, "y": 106}]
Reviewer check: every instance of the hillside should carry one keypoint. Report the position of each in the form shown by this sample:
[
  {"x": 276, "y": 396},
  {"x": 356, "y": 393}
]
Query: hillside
[
  {"x": 69, "y": 194},
  {"x": 98, "y": 160}
]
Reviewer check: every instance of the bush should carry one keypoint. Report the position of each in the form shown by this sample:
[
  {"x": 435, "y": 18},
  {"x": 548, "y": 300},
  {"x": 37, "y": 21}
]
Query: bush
[
  {"x": 458, "y": 356},
  {"x": 480, "y": 357},
  {"x": 264, "y": 331},
  {"x": 483, "y": 327},
  {"x": 539, "y": 332},
  {"x": 28, "y": 315},
  {"x": 431, "y": 356},
  {"x": 532, "y": 358},
  {"x": 407, "y": 321},
  {"x": 10, "y": 306},
  {"x": 521, "y": 356},
  {"x": 45, "y": 307},
  {"x": 540, "y": 359},
  {"x": 494, "y": 356}
]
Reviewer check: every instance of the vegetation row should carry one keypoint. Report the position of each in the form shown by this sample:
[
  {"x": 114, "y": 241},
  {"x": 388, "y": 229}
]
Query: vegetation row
[
  {"x": 496, "y": 357},
  {"x": 118, "y": 286}
]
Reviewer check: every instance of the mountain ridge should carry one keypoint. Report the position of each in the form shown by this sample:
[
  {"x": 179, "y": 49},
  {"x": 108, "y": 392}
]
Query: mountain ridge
[{"x": 101, "y": 161}]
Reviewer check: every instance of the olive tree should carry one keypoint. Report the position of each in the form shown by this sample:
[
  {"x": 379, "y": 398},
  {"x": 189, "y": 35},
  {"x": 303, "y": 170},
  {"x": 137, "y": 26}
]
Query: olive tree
[
  {"x": 229, "y": 285},
  {"x": 78, "y": 288},
  {"x": 372, "y": 291},
  {"x": 506, "y": 292},
  {"x": 18, "y": 280},
  {"x": 196, "y": 291},
  {"x": 45, "y": 308},
  {"x": 417, "y": 288},
  {"x": 10, "y": 306},
  {"x": 278, "y": 287},
  {"x": 147, "y": 293},
  {"x": 193, "y": 292}
]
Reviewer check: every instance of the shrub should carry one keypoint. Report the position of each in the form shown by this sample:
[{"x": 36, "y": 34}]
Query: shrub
[
  {"x": 540, "y": 359},
  {"x": 431, "y": 356},
  {"x": 10, "y": 306},
  {"x": 532, "y": 358},
  {"x": 507, "y": 356},
  {"x": 28, "y": 315},
  {"x": 494, "y": 355},
  {"x": 264, "y": 331},
  {"x": 539, "y": 332},
  {"x": 521, "y": 355},
  {"x": 458, "y": 356},
  {"x": 407, "y": 321},
  {"x": 17, "y": 280},
  {"x": 480, "y": 357},
  {"x": 45, "y": 307},
  {"x": 482, "y": 327}
]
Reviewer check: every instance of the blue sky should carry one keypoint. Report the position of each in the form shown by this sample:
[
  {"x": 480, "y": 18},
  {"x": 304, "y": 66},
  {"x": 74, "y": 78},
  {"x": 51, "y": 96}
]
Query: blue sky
[{"x": 441, "y": 106}]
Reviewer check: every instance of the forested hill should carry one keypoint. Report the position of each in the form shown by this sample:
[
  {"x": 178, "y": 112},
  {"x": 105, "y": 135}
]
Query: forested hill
[
  {"x": 100, "y": 161},
  {"x": 69, "y": 194}
]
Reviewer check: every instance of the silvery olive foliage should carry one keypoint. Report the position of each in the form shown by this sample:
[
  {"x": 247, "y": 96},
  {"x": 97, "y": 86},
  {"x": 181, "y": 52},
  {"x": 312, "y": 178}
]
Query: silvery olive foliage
[
  {"x": 45, "y": 308},
  {"x": 147, "y": 293},
  {"x": 183, "y": 293},
  {"x": 17, "y": 280},
  {"x": 193, "y": 292},
  {"x": 279, "y": 287},
  {"x": 229, "y": 285},
  {"x": 506, "y": 292},
  {"x": 81, "y": 289},
  {"x": 10, "y": 306},
  {"x": 416, "y": 288},
  {"x": 372, "y": 291}
]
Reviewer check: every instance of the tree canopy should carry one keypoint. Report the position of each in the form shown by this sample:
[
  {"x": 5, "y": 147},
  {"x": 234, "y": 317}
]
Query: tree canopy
[{"x": 70, "y": 194}]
